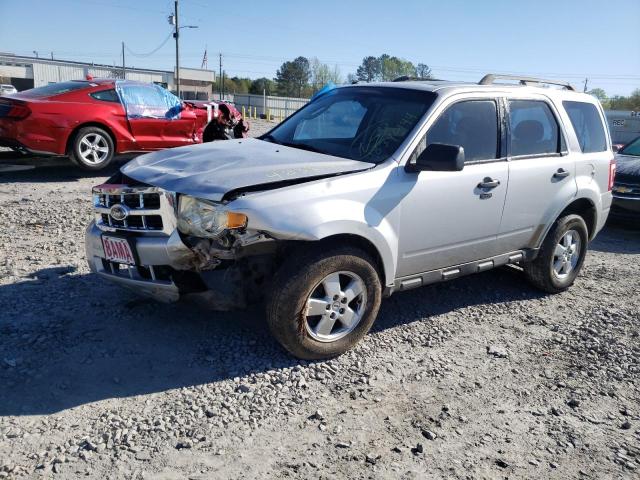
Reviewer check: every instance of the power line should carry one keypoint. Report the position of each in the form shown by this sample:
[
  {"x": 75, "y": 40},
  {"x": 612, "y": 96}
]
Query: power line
[{"x": 143, "y": 55}]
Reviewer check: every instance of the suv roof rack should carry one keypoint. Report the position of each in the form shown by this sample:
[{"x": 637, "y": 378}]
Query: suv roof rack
[
  {"x": 407, "y": 78},
  {"x": 491, "y": 77}
]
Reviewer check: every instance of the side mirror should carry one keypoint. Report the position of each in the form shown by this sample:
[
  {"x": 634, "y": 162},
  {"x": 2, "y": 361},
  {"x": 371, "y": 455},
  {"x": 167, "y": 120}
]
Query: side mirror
[{"x": 440, "y": 157}]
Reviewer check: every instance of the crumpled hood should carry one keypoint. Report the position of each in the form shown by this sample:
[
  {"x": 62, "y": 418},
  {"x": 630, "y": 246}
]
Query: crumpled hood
[
  {"x": 628, "y": 165},
  {"x": 210, "y": 170}
]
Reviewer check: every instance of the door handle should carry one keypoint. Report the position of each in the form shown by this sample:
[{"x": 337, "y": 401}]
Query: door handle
[
  {"x": 488, "y": 182},
  {"x": 561, "y": 173}
]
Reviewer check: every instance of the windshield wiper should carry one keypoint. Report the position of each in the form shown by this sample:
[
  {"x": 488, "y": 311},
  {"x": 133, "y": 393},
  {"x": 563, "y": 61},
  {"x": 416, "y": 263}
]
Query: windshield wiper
[
  {"x": 269, "y": 138},
  {"x": 302, "y": 146}
]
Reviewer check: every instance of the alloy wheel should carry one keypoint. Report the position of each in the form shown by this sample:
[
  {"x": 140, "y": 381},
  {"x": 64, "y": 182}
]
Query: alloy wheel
[
  {"x": 93, "y": 148},
  {"x": 567, "y": 254},
  {"x": 335, "y": 306}
]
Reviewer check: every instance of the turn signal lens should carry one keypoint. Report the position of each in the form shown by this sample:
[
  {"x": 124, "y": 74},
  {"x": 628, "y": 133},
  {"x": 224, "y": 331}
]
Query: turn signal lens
[{"x": 236, "y": 220}]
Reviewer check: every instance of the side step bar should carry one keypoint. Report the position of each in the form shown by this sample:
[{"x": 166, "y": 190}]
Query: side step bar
[{"x": 449, "y": 273}]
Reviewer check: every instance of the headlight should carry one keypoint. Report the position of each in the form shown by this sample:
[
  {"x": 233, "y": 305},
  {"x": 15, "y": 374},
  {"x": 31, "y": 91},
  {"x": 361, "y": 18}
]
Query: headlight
[{"x": 204, "y": 218}]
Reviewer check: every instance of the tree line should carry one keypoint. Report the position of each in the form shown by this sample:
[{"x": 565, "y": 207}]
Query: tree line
[
  {"x": 617, "y": 102},
  {"x": 302, "y": 77}
]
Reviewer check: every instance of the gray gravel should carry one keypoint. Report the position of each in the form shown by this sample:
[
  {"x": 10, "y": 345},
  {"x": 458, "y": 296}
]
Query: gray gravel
[{"x": 482, "y": 377}]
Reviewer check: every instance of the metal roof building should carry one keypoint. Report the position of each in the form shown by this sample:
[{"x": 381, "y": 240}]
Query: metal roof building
[{"x": 29, "y": 72}]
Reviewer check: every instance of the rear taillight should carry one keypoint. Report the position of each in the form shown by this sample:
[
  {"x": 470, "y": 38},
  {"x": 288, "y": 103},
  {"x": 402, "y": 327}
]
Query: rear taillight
[
  {"x": 19, "y": 111},
  {"x": 14, "y": 109},
  {"x": 612, "y": 173}
]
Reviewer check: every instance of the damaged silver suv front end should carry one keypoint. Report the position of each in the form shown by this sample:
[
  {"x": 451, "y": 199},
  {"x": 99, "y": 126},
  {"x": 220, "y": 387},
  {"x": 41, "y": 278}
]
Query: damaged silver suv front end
[{"x": 164, "y": 266}]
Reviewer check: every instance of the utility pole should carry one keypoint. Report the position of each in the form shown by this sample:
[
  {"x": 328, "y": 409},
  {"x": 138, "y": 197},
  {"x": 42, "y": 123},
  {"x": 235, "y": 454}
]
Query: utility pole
[
  {"x": 586, "y": 82},
  {"x": 124, "y": 72},
  {"x": 220, "y": 86},
  {"x": 176, "y": 34},
  {"x": 51, "y": 55}
]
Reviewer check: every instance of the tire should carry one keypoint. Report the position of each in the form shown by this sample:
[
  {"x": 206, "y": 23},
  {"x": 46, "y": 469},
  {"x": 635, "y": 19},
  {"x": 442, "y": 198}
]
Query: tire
[
  {"x": 92, "y": 148},
  {"x": 301, "y": 281},
  {"x": 551, "y": 271},
  {"x": 214, "y": 132}
]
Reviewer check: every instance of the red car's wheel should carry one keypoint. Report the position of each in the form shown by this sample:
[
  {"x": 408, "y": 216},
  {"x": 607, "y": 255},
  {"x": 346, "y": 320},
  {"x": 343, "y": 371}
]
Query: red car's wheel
[{"x": 92, "y": 148}]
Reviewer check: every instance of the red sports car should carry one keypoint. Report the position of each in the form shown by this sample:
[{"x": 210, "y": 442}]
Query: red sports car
[{"x": 91, "y": 120}]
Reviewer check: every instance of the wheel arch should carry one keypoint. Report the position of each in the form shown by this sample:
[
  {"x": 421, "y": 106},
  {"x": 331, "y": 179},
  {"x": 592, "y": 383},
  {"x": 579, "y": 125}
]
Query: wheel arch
[
  {"x": 362, "y": 243},
  {"x": 104, "y": 127},
  {"x": 583, "y": 206},
  {"x": 587, "y": 210}
]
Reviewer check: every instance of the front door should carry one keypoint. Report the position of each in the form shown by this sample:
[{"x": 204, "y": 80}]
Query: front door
[
  {"x": 450, "y": 218},
  {"x": 542, "y": 176},
  {"x": 150, "y": 110}
]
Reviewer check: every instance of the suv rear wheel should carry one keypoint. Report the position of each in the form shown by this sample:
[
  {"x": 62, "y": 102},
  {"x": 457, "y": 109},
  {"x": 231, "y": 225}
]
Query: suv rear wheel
[
  {"x": 322, "y": 305},
  {"x": 561, "y": 256},
  {"x": 92, "y": 148}
]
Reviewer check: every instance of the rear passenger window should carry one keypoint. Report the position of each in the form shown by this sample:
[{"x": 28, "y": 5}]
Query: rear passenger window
[
  {"x": 471, "y": 124},
  {"x": 588, "y": 126},
  {"x": 534, "y": 129}
]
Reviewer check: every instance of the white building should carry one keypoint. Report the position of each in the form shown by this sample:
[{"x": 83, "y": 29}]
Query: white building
[{"x": 29, "y": 72}]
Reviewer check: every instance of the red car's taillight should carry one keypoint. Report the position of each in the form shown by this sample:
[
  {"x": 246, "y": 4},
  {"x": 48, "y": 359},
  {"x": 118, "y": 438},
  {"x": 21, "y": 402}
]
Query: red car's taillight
[
  {"x": 15, "y": 109},
  {"x": 612, "y": 173},
  {"x": 19, "y": 111}
]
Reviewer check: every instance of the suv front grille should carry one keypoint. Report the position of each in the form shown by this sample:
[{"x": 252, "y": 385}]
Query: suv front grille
[
  {"x": 141, "y": 200},
  {"x": 146, "y": 209}
]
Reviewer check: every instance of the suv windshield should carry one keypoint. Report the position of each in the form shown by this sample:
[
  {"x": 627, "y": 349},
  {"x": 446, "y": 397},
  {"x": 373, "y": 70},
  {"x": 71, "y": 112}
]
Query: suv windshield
[
  {"x": 56, "y": 89},
  {"x": 632, "y": 148},
  {"x": 359, "y": 123}
]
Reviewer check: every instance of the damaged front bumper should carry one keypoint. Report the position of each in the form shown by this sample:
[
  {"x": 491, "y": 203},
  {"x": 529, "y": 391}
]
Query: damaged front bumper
[
  {"x": 222, "y": 276},
  {"x": 166, "y": 271},
  {"x": 159, "y": 257}
]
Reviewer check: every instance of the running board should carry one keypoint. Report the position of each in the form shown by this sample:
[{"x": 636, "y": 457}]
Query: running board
[{"x": 449, "y": 273}]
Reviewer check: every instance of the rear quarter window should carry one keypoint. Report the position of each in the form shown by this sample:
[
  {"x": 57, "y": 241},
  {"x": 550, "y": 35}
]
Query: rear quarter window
[
  {"x": 588, "y": 126},
  {"x": 106, "y": 95}
]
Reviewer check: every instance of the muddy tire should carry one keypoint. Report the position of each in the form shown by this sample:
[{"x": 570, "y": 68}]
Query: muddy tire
[
  {"x": 323, "y": 302},
  {"x": 561, "y": 256}
]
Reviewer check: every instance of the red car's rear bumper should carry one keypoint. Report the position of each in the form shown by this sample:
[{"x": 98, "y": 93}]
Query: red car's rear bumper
[{"x": 34, "y": 135}]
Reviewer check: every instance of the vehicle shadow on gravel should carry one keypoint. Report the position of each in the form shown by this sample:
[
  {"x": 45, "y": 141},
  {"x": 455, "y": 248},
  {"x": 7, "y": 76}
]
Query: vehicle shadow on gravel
[
  {"x": 52, "y": 170},
  {"x": 67, "y": 340},
  {"x": 617, "y": 238}
]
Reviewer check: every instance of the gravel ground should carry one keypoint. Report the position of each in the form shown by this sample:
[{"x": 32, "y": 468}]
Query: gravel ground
[{"x": 481, "y": 377}]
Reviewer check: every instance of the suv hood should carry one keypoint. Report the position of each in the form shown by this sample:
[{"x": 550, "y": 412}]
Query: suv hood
[
  {"x": 628, "y": 164},
  {"x": 211, "y": 170}
]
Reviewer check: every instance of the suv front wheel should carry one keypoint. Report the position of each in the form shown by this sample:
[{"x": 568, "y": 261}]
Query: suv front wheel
[
  {"x": 322, "y": 305},
  {"x": 561, "y": 256}
]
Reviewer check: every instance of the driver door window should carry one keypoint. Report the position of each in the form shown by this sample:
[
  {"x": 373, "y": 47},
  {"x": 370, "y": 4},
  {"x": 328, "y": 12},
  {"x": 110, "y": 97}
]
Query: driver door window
[{"x": 472, "y": 124}]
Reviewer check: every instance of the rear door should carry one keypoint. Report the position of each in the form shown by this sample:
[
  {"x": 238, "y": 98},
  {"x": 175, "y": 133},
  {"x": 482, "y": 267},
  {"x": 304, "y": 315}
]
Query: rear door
[
  {"x": 450, "y": 218},
  {"x": 542, "y": 177}
]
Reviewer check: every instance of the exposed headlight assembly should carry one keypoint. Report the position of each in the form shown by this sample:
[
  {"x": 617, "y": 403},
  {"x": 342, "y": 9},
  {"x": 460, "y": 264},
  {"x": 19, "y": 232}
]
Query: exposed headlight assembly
[{"x": 204, "y": 218}]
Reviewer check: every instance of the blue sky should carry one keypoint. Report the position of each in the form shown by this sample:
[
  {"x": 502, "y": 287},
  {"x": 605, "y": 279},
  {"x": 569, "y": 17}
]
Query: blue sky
[{"x": 460, "y": 40}]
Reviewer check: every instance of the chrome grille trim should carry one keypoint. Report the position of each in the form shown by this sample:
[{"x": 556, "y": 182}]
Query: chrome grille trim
[
  {"x": 139, "y": 202},
  {"x": 633, "y": 190}
]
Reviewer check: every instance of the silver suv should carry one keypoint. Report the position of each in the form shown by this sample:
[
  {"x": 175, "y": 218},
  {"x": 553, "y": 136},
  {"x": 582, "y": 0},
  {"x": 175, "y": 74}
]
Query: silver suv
[{"x": 368, "y": 190}]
